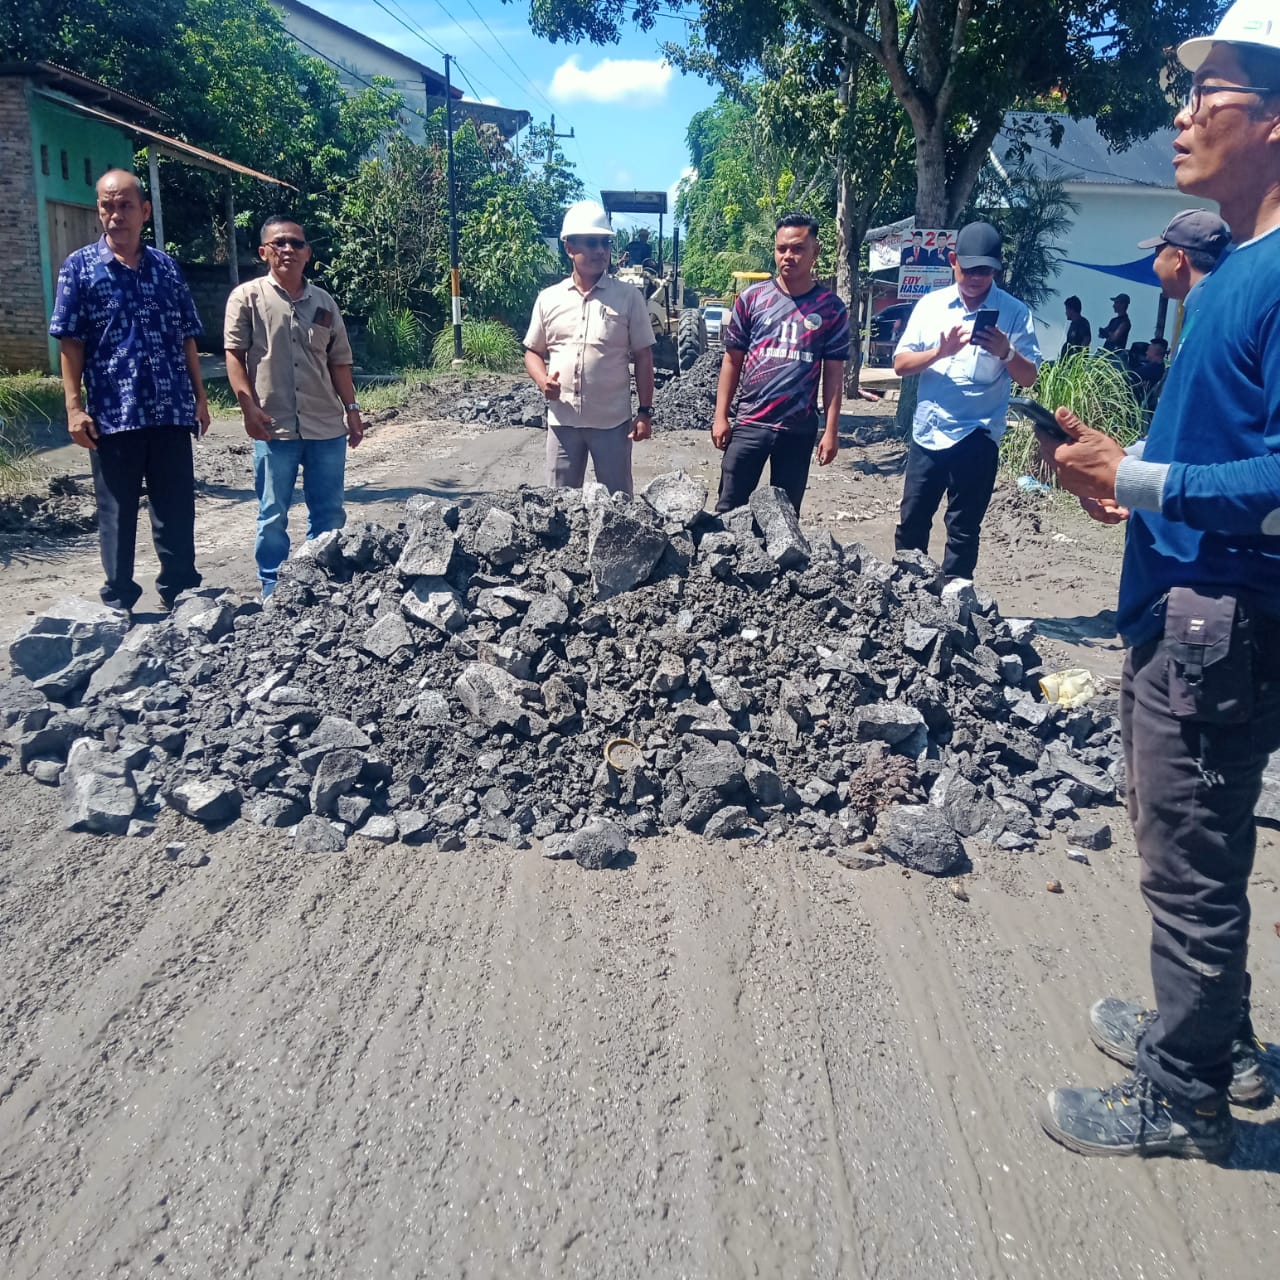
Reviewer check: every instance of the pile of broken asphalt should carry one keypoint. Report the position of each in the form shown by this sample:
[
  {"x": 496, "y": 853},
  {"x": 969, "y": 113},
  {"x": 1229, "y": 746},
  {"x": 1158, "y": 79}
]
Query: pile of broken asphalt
[{"x": 573, "y": 668}]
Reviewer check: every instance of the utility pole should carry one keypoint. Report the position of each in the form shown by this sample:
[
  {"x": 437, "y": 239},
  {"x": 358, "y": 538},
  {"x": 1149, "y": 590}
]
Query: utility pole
[
  {"x": 551, "y": 142},
  {"x": 455, "y": 275}
]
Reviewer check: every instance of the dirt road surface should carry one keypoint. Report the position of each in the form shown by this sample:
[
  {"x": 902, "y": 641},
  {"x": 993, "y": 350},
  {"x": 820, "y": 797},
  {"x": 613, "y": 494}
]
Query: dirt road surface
[{"x": 722, "y": 1060}]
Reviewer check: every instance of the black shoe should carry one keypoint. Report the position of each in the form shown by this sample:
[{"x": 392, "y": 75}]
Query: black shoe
[
  {"x": 1133, "y": 1118},
  {"x": 1116, "y": 1026}
]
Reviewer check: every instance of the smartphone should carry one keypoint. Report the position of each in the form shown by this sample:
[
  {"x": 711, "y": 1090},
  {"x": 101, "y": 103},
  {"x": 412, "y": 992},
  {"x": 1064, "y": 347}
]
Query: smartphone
[
  {"x": 986, "y": 319},
  {"x": 1041, "y": 419}
]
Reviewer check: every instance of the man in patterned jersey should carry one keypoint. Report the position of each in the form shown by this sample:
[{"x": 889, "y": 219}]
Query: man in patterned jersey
[
  {"x": 784, "y": 335},
  {"x": 965, "y": 376}
]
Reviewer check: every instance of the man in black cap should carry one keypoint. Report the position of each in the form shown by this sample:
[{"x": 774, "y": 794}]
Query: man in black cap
[
  {"x": 966, "y": 373},
  {"x": 1186, "y": 251},
  {"x": 1115, "y": 333}
]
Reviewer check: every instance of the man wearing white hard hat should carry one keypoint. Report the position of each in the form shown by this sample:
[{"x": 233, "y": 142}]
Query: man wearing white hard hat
[
  {"x": 583, "y": 335},
  {"x": 1199, "y": 612}
]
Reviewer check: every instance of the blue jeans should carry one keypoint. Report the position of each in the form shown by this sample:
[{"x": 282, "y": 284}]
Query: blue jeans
[{"x": 275, "y": 473}]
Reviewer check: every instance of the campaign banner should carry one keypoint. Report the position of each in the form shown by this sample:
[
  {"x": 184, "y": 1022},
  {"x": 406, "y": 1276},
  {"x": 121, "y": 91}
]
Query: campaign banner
[{"x": 923, "y": 262}]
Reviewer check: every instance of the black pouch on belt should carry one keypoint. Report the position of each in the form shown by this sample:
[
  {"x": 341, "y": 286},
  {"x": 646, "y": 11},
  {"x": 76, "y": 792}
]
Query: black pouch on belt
[{"x": 1209, "y": 640}]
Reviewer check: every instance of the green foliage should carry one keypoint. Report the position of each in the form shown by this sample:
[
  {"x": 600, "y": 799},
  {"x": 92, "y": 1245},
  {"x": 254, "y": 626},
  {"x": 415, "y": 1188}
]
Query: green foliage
[
  {"x": 1108, "y": 59},
  {"x": 394, "y": 251},
  {"x": 31, "y": 397},
  {"x": 486, "y": 344},
  {"x": 1094, "y": 389},
  {"x": 231, "y": 80},
  {"x": 392, "y": 339}
]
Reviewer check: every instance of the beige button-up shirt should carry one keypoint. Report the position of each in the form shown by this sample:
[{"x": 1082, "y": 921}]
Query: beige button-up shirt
[
  {"x": 290, "y": 346},
  {"x": 589, "y": 339}
]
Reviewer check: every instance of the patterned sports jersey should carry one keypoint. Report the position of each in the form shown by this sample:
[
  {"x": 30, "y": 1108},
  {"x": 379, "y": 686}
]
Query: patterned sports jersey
[
  {"x": 133, "y": 325},
  {"x": 786, "y": 340}
]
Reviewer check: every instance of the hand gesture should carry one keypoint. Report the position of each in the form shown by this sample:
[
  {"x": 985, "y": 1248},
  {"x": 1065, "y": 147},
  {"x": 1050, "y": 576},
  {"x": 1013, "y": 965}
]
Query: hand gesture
[
  {"x": 950, "y": 342},
  {"x": 551, "y": 387},
  {"x": 83, "y": 429},
  {"x": 257, "y": 422},
  {"x": 992, "y": 340},
  {"x": 1104, "y": 510},
  {"x": 1087, "y": 467}
]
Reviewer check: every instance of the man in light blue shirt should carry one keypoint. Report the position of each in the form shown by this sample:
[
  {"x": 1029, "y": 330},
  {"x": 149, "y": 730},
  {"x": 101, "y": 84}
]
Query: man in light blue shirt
[{"x": 966, "y": 373}]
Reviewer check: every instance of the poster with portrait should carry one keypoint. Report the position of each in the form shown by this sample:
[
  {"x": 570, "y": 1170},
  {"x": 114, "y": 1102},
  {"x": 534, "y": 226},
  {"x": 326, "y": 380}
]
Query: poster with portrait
[
  {"x": 923, "y": 262},
  {"x": 920, "y": 256}
]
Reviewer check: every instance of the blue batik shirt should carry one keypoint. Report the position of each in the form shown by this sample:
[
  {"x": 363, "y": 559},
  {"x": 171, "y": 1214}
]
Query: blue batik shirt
[{"x": 133, "y": 324}]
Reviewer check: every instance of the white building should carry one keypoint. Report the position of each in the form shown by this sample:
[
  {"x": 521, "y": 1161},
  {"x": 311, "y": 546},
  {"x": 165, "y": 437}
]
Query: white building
[
  {"x": 1124, "y": 197},
  {"x": 358, "y": 59}
]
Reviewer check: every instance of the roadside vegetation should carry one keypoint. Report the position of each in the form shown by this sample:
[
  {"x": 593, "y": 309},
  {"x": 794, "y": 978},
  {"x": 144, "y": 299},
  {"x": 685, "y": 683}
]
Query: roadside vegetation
[{"x": 1094, "y": 389}]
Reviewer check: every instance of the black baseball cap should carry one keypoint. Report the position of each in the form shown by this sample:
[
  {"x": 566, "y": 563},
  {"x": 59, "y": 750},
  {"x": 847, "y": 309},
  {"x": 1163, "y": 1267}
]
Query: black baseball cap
[
  {"x": 1195, "y": 229},
  {"x": 1122, "y": 297},
  {"x": 979, "y": 245}
]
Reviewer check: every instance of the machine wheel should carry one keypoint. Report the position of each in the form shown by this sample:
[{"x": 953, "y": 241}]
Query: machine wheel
[{"x": 692, "y": 336}]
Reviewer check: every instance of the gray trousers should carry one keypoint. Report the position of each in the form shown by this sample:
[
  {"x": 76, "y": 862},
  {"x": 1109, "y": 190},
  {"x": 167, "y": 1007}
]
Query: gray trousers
[
  {"x": 608, "y": 448},
  {"x": 1193, "y": 785}
]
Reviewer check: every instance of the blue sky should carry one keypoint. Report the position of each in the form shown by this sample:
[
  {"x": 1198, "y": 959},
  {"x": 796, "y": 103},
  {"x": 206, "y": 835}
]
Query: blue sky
[{"x": 628, "y": 110}]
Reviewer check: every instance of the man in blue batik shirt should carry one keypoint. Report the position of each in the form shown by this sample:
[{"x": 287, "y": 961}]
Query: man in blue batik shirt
[
  {"x": 126, "y": 325},
  {"x": 1199, "y": 612}
]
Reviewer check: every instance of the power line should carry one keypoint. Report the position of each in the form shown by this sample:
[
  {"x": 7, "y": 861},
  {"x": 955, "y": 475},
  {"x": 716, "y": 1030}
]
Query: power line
[
  {"x": 421, "y": 35},
  {"x": 507, "y": 54}
]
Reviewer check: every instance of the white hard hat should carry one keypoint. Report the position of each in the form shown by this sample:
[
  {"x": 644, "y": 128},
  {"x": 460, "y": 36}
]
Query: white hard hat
[
  {"x": 1246, "y": 22},
  {"x": 585, "y": 218}
]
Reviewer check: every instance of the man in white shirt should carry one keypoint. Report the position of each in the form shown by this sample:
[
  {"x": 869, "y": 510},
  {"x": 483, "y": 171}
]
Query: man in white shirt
[
  {"x": 966, "y": 373},
  {"x": 583, "y": 335}
]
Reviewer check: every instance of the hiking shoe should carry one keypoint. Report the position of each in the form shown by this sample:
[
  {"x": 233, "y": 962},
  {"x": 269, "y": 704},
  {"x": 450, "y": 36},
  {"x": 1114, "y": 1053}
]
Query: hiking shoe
[
  {"x": 1134, "y": 1118},
  {"x": 1116, "y": 1026}
]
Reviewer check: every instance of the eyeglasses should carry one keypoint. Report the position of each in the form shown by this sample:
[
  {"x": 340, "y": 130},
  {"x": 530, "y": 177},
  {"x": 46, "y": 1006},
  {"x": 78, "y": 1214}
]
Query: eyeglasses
[
  {"x": 1200, "y": 91},
  {"x": 592, "y": 242},
  {"x": 289, "y": 242}
]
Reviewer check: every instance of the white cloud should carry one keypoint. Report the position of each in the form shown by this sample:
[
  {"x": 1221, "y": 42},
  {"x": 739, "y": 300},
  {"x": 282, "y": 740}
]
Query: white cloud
[
  {"x": 674, "y": 189},
  {"x": 630, "y": 80},
  {"x": 491, "y": 101}
]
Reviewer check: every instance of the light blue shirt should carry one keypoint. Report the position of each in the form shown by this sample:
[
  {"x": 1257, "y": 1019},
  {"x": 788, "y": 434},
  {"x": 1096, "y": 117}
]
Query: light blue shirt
[{"x": 970, "y": 390}]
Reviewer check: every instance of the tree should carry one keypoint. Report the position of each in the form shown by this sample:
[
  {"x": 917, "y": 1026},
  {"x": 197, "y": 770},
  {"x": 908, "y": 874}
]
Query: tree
[
  {"x": 768, "y": 147},
  {"x": 231, "y": 80},
  {"x": 955, "y": 66},
  {"x": 394, "y": 253}
]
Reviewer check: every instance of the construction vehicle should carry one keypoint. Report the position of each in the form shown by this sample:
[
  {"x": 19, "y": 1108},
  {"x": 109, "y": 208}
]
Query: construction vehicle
[
  {"x": 743, "y": 280},
  {"x": 680, "y": 330}
]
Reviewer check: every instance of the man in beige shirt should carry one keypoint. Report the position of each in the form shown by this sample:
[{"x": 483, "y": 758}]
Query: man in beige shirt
[
  {"x": 583, "y": 334},
  {"x": 289, "y": 364}
]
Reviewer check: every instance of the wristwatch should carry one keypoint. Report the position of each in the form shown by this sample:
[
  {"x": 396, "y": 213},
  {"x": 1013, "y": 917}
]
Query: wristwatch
[
  {"x": 352, "y": 407},
  {"x": 1013, "y": 351},
  {"x": 645, "y": 411}
]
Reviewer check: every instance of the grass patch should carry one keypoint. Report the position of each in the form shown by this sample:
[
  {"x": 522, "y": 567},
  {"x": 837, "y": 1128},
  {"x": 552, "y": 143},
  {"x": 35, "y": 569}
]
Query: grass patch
[
  {"x": 389, "y": 394},
  {"x": 1090, "y": 386},
  {"x": 20, "y": 472},
  {"x": 487, "y": 345},
  {"x": 31, "y": 397}
]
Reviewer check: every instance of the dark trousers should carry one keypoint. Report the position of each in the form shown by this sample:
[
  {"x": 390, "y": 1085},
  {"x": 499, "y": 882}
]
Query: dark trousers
[
  {"x": 159, "y": 459},
  {"x": 1193, "y": 787},
  {"x": 788, "y": 454},
  {"x": 966, "y": 473}
]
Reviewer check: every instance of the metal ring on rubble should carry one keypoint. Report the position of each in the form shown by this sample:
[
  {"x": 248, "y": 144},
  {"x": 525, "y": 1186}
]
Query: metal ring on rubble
[{"x": 620, "y": 742}]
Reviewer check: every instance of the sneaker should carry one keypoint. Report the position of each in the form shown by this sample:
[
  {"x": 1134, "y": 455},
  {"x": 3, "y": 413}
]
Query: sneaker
[
  {"x": 1133, "y": 1118},
  {"x": 1116, "y": 1026}
]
